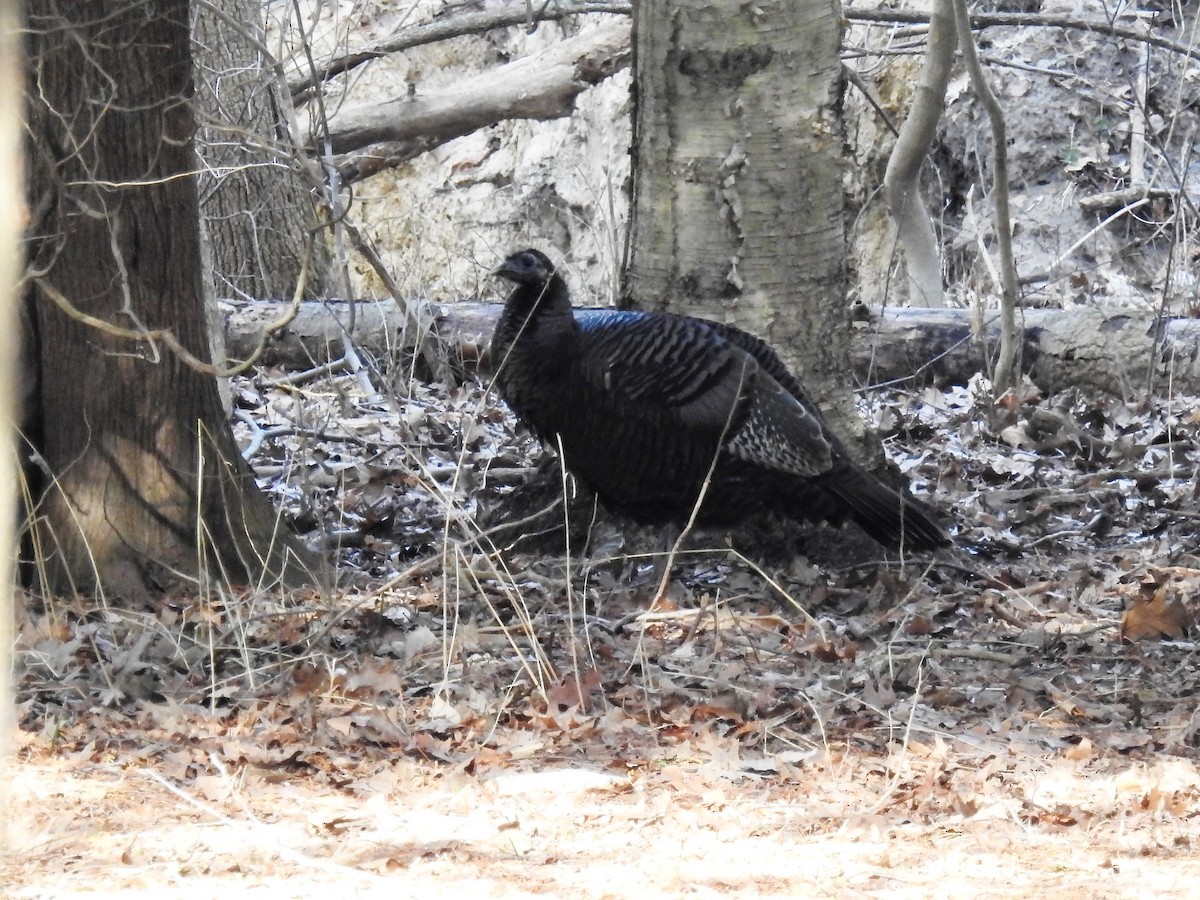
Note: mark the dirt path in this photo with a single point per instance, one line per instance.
(925, 821)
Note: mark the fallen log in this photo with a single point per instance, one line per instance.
(370, 137)
(443, 29)
(1119, 352)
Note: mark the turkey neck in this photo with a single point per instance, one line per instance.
(539, 326)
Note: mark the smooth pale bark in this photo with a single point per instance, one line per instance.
(902, 180)
(142, 481)
(738, 208)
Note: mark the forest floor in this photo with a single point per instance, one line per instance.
(477, 713)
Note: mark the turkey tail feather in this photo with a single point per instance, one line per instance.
(885, 515)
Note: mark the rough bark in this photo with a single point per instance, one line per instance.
(258, 211)
(144, 481)
(737, 184)
(1116, 352)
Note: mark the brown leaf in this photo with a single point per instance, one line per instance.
(837, 650)
(1155, 617)
(573, 690)
(919, 625)
(1080, 752)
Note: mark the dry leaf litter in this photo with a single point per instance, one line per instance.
(464, 640)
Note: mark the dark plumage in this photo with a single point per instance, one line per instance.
(644, 402)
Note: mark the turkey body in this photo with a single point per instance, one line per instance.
(655, 412)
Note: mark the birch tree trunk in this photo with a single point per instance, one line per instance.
(737, 187)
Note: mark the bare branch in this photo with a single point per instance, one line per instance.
(444, 30)
(921, 254)
(406, 128)
(475, 23)
(167, 337)
(419, 328)
(1008, 366)
(1026, 20)
(541, 86)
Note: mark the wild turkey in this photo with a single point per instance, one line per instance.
(649, 406)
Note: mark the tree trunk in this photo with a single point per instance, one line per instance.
(737, 160)
(257, 208)
(12, 216)
(143, 479)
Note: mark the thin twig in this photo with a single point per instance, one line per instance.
(152, 336)
(1025, 20)
(1008, 366)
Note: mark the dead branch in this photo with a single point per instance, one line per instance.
(1123, 200)
(541, 86)
(404, 129)
(444, 30)
(1008, 366)
(980, 21)
(478, 22)
(922, 257)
